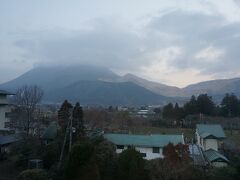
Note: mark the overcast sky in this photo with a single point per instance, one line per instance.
(176, 42)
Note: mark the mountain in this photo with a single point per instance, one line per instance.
(158, 88)
(85, 84)
(106, 93)
(98, 85)
(215, 88)
(50, 78)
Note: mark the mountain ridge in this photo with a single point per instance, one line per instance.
(57, 81)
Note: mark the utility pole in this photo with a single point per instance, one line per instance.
(63, 146)
(70, 132)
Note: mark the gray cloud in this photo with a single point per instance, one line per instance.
(118, 46)
(196, 31)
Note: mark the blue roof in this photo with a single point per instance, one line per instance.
(7, 140)
(210, 130)
(3, 92)
(144, 140)
(214, 156)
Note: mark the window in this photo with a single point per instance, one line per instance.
(7, 114)
(6, 124)
(155, 150)
(120, 147)
(143, 154)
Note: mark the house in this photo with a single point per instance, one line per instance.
(150, 146)
(209, 136)
(5, 109)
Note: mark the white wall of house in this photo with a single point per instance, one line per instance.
(211, 144)
(219, 164)
(4, 108)
(148, 151)
(3, 99)
(199, 142)
(206, 144)
(3, 119)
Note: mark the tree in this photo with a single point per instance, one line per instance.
(131, 165)
(230, 105)
(106, 159)
(191, 107)
(27, 98)
(168, 111)
(176, 155)
(64, 114)
(205, 104)
(81, 164)
(78, 122)
(178, 112)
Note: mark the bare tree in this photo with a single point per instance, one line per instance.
(27, 98)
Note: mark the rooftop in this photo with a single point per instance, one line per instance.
(144, 140)
(214, 156)
(3, 92)
(4, 140)
(210, 130)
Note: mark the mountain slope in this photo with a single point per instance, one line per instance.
(215, 87)
(106, 93)
(50, 78)
(83, 83)
(158, 88)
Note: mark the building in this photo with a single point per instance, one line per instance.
(150, 146)
(5, 110)
(209, 136)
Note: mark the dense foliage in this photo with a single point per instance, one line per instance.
(203, 104)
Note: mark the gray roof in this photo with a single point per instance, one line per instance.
(3, 92)
(214, 156)
(4, 140)
(210, 130)
(144, 140)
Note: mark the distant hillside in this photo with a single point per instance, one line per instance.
(158, 88)
(50, 78)
(99, 85)
(106, 93)
(83, 83)
(215, 88)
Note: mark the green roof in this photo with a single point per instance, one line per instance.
(144, 140)
(51, 131)
(214, 156)
(210, 130)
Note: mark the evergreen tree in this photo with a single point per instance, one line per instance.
(191, 106)
(168, 111)
(64, 114)
(78, 122)
(230, 105)
(205, 104)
